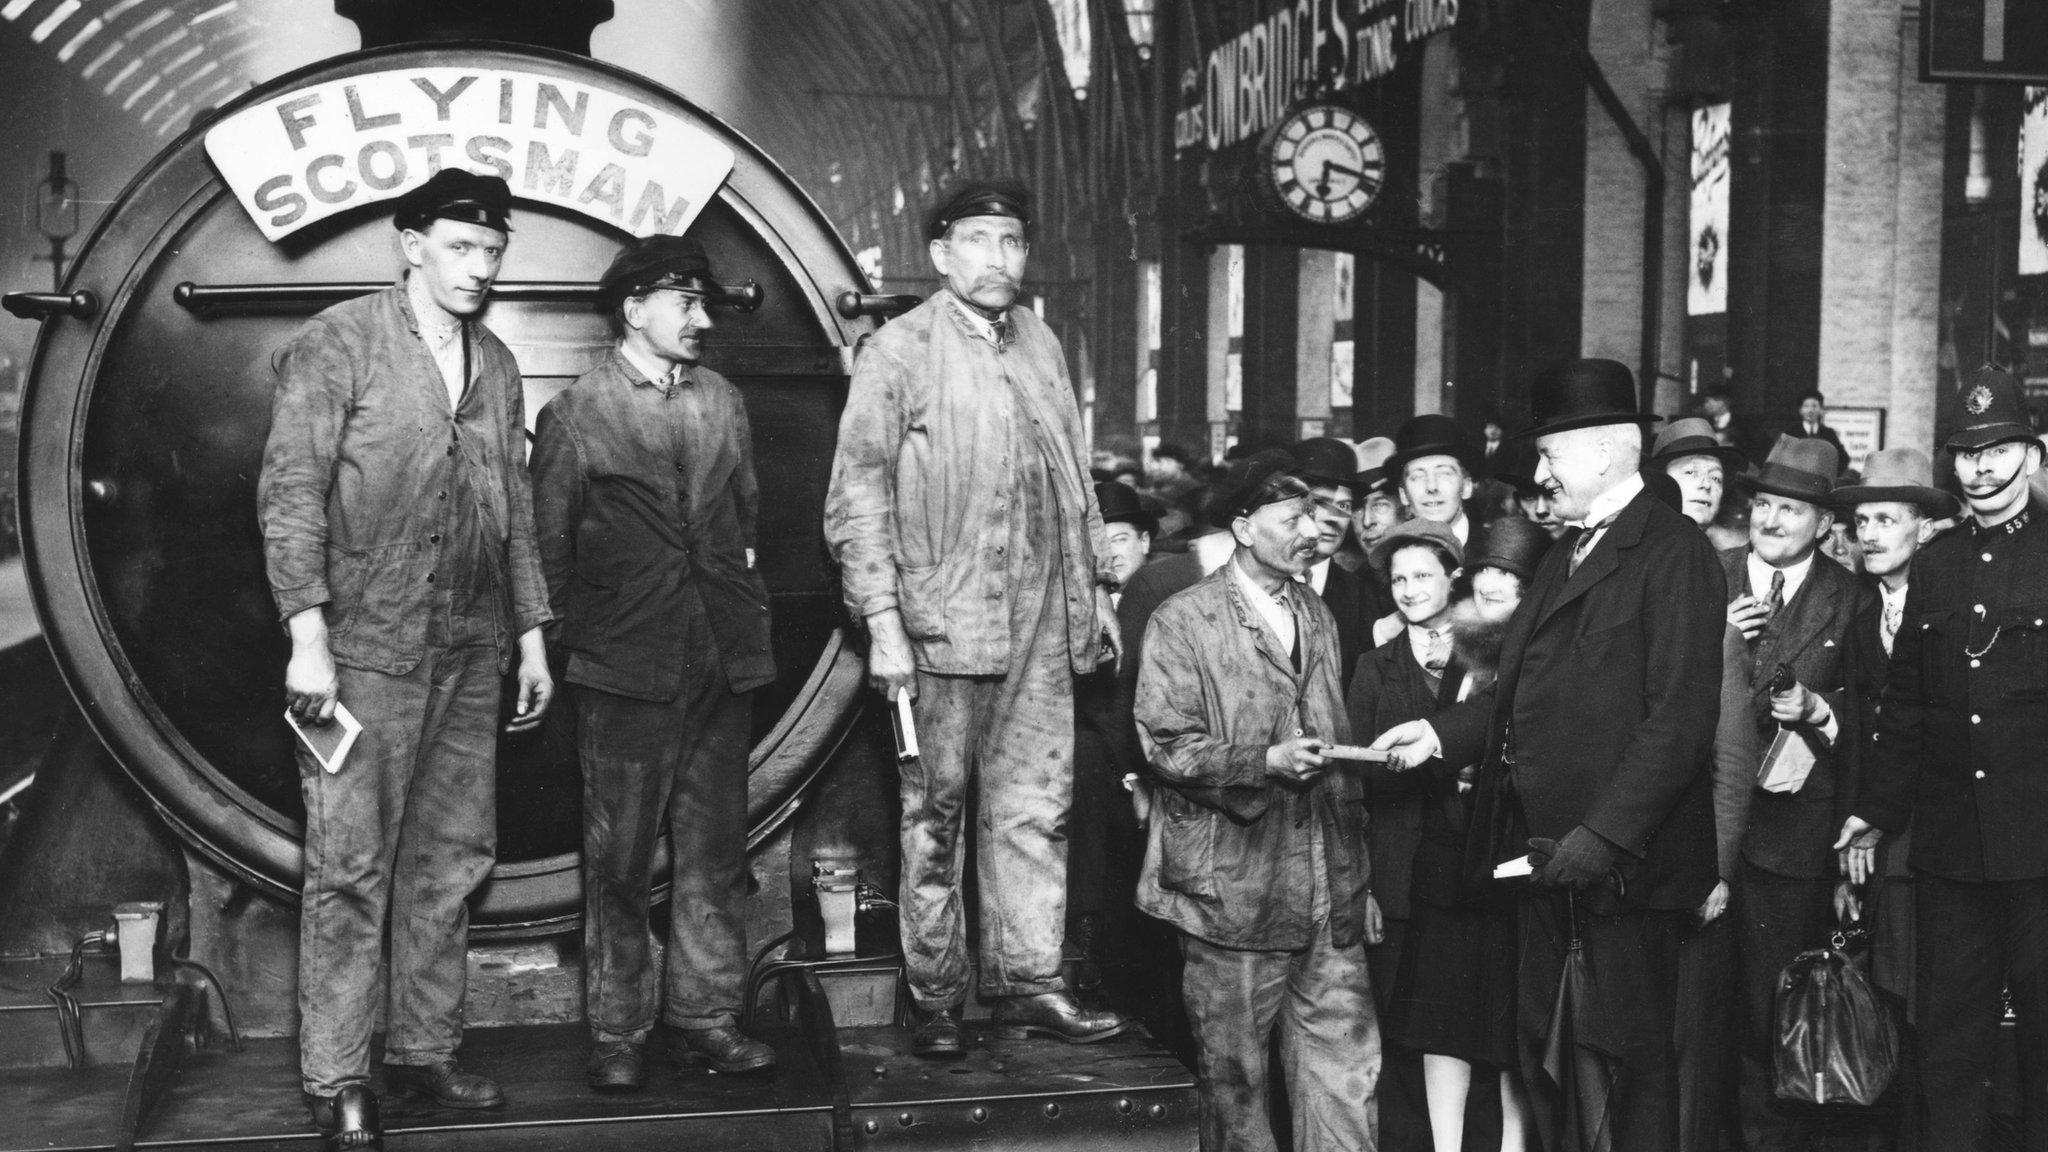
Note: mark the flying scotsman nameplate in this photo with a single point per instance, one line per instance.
(303, 156)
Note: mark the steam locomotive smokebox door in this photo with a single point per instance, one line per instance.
(146, 421)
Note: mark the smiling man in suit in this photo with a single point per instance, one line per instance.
(1602, 723)
(1797, 610)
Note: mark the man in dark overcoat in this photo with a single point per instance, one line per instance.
(1602, 722)
(1958, 754)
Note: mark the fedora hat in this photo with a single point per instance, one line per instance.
(1693, 436)
(1431, 434)
(1326, 462)
(1994, 411)
(1901, 475)
(1584, 394)
(1511, 544)
(1797, 469)
(1412, 532)
(1372, 456)
(1121, 504)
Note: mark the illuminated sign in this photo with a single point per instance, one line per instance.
(303, 156)
(1249, 81)
(1707, 285)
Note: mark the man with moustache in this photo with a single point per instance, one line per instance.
(1601, 722)
(1256, 843)
(1797, 611)
(404, 568)
(970, 545)
(645, 496)
(1958, 756)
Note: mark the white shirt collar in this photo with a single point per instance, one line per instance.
(1462, 527)
(1890, 598)
(1760, 575)
(1613, 500)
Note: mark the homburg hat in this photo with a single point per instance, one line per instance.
(455, 194)
(1901, 475)
(1994, 411)
(1797, 469)
(1416, 531)
(1121, 504)
(1584, 394)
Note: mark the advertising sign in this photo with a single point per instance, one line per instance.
(306, 155)
(1707, 281)
(2034, 182)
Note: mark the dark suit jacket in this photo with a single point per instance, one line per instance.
(1389, 688)
(1873, 665)
(1608, 694)
(1966, 709)
(1793, 833)
(1356, 600)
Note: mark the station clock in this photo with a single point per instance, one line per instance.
(1324, 163)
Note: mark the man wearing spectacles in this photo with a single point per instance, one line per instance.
(646, 503)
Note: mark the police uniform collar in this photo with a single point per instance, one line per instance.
(2007, 527)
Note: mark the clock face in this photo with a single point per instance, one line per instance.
(1326, 164)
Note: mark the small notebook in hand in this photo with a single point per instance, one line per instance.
(329, 743)
(1787, 763)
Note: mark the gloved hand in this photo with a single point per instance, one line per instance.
(1579, 861)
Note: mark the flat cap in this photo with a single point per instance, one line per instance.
(1257, 480)
(653, 262)
(979, 198)
(455, 194)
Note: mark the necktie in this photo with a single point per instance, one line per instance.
(1438, 649)
(1888, 625)
(1776, 599)
(1585, 543)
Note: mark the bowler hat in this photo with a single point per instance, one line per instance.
(1413, 532)
(1326, 462)
(1431, 434)
(656, 262)
(1255, 481)
(1902, 475)
(455, 194)
(1511, 544)
(1798, 468)
(978, 198)
(1121, 504)
(1371, 454)
(1693, 436)
(1584, 394)
(1994, 411)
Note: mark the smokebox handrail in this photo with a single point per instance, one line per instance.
(745, 296)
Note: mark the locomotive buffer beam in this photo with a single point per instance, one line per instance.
(203, 299)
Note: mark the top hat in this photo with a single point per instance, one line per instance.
(1693, 436)
(455, 194)
(1413, 531)
(1121, 504)
(1371, 454)
(1511, 544)
(653, 263)
(1584, 394)
(1255, 481)
(1903, 475)
(1994, 411)
(978, 198)
(1797, 469)
(1326, 462)
(1430, 434)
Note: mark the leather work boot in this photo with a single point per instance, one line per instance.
(617, 1066)
(1054, 1014)
(347, 1120)
(938, 1033)
(444, 1083)
(725, 1048)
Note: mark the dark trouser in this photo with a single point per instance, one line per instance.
(1633, 959)
(1704, 1034)
(1329, 1043)
(646, 765)
(1975, 940)
(1776, 918)
(1011, 739)
(408, 826)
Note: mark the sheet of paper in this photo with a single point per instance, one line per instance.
(906, 726)
(330, 742)
(1509, 869)
(1355, 752)
(1787, 763)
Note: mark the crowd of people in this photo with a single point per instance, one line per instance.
(1436, 791)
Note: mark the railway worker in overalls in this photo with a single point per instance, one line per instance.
(971, 547)
(646, 502)
(398, 535)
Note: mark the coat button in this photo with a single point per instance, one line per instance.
(430, 577)
(1976, 719)
(434, 539)
(1976, 663)
(451, 449)
(1980, 773)
(1987, 557)
(442, 496)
